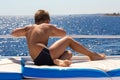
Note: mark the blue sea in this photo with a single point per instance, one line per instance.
(80, 24)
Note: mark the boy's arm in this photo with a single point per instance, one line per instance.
(20, 31)
(57, 31)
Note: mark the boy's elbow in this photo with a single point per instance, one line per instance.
(64, 33)
(13, 34)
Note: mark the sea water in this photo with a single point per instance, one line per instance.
(94, 24)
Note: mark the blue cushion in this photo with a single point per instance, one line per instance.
(62, 73)
(114, 73)
(91, 71)
(10, 76)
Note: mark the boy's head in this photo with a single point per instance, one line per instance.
(41, 16)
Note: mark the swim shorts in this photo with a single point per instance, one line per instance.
(44, 58)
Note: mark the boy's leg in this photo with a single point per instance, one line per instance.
(64, 60)
(58, 48)
(66, 55)
(63, 63)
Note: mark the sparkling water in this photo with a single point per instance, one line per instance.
(73, 25)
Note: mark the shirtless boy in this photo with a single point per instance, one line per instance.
(37, 36)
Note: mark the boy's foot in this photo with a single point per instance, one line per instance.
(63, 63)
(97, 56)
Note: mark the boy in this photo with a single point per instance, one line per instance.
(37, 36)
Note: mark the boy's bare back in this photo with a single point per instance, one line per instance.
(37, 37)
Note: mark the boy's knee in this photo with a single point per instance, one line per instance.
(66, 55)
(68, 37)
(69, 53)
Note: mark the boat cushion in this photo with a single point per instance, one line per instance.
(10, 68)
(79, 68)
